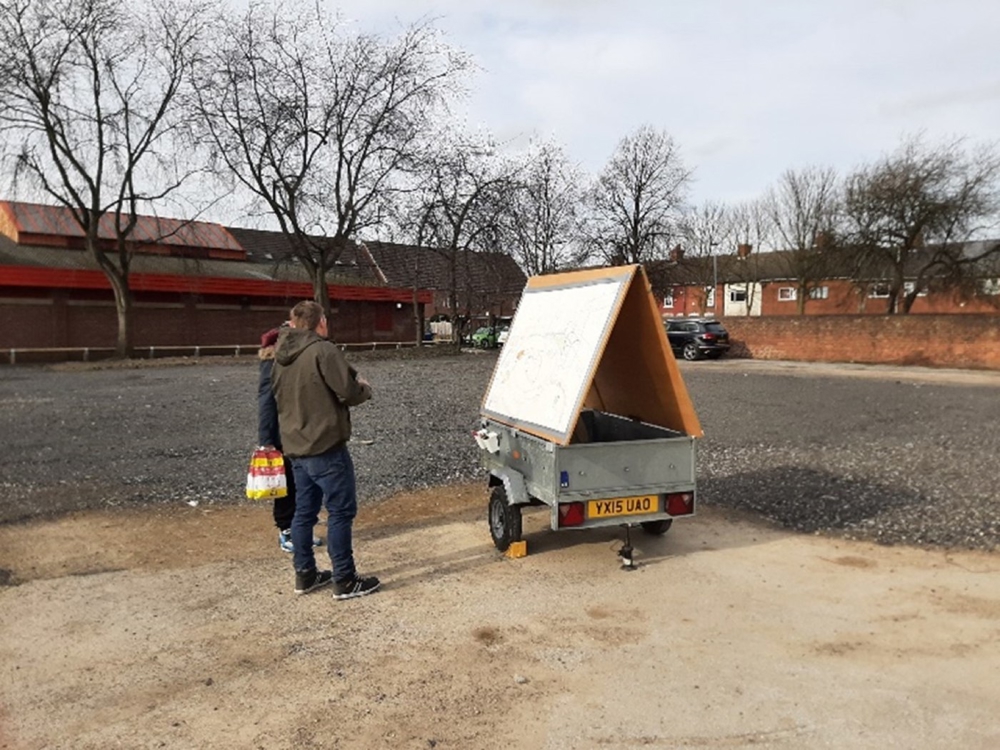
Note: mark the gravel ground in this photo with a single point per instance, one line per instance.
(886, 458)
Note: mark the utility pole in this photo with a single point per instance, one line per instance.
(715, 278)
(715, 275)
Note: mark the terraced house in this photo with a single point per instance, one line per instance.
(830, 282)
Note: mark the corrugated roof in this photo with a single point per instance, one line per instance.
(58, 221)
(13, 254)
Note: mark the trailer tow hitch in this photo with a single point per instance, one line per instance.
(625, 552)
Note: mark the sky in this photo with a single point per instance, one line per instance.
(747, 88)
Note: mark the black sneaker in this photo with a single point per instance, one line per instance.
(356, 586)
(311, 580)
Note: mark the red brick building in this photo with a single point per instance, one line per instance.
(760, 284)
(194, 284)
(486, 286)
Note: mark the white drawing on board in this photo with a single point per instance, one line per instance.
(549, 354)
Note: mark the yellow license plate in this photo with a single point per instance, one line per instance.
(623, 506)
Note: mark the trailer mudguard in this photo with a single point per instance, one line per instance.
(513, 484)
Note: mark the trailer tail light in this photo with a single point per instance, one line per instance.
(570, 514)
(680, 503)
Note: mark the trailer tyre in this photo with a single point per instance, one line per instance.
(504, 518)
(657, 528)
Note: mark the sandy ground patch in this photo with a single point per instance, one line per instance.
(178, 628)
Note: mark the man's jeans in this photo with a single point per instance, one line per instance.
(326, 479)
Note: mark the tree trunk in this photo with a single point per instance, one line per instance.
(892, 302)
(800, 300)
(118, 279)
(321, 291)
(907, 302)
(418, 319)
(123, 307)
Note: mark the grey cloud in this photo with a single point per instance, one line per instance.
(941, 99)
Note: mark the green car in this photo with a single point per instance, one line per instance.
(484, 338)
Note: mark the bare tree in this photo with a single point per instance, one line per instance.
(321, 125)
(804, 209)
(458, 212)
(635, 202)
(751, 230)
(259, 99)
(913, 212)
(542, 223)
(89, 90)
(706, 232)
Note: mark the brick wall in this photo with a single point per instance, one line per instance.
(837, 298)
(57, 320)
(964, 341)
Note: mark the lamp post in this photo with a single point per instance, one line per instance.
(715, 276)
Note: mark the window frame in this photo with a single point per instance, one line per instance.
(874, 293)
(788, 294)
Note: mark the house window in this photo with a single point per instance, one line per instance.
(709, 296)
(991, 286)
(879, 291)
(737, 295)
(819, 292)
(787, 294)
(668, 299)
(908, 287)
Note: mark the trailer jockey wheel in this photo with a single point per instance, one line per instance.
(505, 519)
(657, 528)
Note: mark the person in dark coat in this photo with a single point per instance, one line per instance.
(315, 388)
(269, 436)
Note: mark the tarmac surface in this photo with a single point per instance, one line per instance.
(145, 604)
(893, 455)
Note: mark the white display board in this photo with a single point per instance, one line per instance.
(547, 364)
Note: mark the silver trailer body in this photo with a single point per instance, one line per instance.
(621, 471)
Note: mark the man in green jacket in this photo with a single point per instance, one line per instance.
(314, 387)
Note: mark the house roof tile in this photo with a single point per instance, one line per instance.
(427, 268)
(265, 247)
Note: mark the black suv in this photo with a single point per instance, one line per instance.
(696, 338)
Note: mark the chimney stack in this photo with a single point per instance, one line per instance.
(676, 254)
(743, 250)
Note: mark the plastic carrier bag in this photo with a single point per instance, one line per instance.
(266, 475)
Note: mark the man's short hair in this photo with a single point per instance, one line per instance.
(306, 314)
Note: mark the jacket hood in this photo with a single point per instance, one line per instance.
(292, 342)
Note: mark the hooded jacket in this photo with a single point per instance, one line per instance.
(267, 409)
(314, 386)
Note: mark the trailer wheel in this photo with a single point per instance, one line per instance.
(504, 518)
(657, 528)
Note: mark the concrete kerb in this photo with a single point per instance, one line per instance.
(18, 356)
(843, 369)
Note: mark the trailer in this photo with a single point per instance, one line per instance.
(587, 413)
